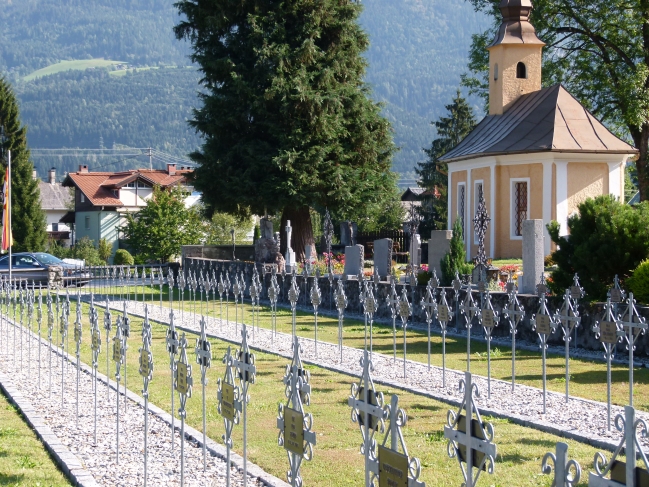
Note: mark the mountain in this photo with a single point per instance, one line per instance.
(418, 51)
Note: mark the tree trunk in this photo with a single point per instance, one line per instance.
(641, 141)
(302, 230)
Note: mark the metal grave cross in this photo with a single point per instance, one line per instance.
(405, 310)
(294, 425)
(146, 372)
(39, 321)
(481, 223)
(576, 291)
(606, 331)
(429, 305)
(393, 304)
(395, 466)
(514, 313)
(623, 474)
(569, 319)
(444, 315)
(229, 405)
(488, 318)
(367, 411)
(247, 372)
(616, 293)
(183, 384)
(469, 310)
(293, 296)
(78, 331)
(255, 292)
(470, 440)
(63, 330)
(95, 346)
(632, 326)
(203, 352)
(566, 472)
(369, 308)
(50, 329)
(108, 326)
(361, 289)
(328, 229)
(273, 295)
(172, 343)
(316, 299)
(124, 322)
(544, 324)
(341, 304)
(118, 358)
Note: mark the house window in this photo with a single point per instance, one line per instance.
(143, 185)
(461, 206)
(87, 223)
(82, 198)
(129, 185)
(520, 206)
(521, 71)
(55, 227)
(477, 193)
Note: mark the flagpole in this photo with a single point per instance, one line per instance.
(9, 209)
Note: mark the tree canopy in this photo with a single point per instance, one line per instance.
(27, 218)
(599, 50)
(287, 118)
(433, 173)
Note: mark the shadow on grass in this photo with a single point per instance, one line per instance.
(10, 479)
(536, 442)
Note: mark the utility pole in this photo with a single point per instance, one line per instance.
(150, 158)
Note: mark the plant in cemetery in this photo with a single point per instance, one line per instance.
(606, 238)
(163, 226)
(123, 257)
(104, 249)
(286, 117)
(599, 50)
(638, 283)
(455, 259)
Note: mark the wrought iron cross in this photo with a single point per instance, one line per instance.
(481, 222)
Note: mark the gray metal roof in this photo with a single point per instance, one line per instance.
(548, 120)
(54, 196)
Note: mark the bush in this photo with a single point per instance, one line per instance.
(455, 259)
(85, 250)
(638, 283)
(58, 250)
(606, 238)
(123, 257)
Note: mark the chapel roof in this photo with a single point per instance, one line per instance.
(548, 120)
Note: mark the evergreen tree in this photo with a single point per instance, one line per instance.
(27, 217)
(286, 116)
(433, 173)
(455, 259)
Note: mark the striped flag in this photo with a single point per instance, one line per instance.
(7, 237)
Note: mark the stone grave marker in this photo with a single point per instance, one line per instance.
(354, 260)
(383, 257)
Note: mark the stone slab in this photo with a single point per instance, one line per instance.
(354, 259)
(533, 255)
(383, 257)
(438, 246)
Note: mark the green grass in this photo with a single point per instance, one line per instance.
(77, 65)
(23, 458)
(588, 377)
(502, 262)
(337, 461)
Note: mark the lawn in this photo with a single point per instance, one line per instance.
(336, 459)
(77, 65)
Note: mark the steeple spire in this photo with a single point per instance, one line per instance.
(515, 27)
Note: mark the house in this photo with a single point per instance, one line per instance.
(538, 153)
(56, 201)
(102, 199)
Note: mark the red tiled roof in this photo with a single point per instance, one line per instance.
(98, 186)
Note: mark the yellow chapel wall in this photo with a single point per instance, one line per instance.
(480, 174)
(506, 247)
(456, 178)
(585, 180)
(504, 91)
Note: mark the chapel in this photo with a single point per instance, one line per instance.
(538, 153)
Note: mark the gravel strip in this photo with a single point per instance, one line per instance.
(77, 435)
(581, 419)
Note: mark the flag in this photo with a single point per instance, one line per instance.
(7, 237)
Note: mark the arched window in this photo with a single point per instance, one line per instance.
(521, 70)
(496, 72)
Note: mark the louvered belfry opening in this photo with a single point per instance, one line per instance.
(520, 202)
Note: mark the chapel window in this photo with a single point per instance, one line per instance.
(520, 206)
(521, 71)
(461, 198)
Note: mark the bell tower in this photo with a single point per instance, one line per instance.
(514, 57)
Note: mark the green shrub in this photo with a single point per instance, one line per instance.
(123, 257)
(455, 259)
(84, 249)
(638, 283)
(56, 249)
(606, 238)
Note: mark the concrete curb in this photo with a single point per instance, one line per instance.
(66, 460)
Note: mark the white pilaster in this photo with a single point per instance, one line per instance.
(562, 195)
(468, 238)
(449, 201)
(547, 203)
(492, 210)
(615, 172)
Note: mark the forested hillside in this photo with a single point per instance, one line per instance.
(418, 51)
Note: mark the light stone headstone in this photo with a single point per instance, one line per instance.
(533, 255)
(310, 253)
(290, 254)
(354, 260)
(266, 228)
(383, 257)
(438, 246)
(415, 250)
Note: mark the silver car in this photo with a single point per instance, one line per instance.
(44, 269)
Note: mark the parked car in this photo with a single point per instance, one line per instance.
(43, 269)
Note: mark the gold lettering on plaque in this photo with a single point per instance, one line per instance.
(227, 401)
(543, 324)
(487, 318)
(393, 468)
(181, 378)
(608, 332)
(442, 313)
(294, 431)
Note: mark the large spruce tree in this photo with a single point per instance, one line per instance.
(433, 173)
(286, 117)
(27, 217)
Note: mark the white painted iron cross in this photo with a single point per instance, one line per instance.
(429, 305)
(294, 425)
(203, 352)
(341, 304)
(444, 315)
(172, 349)
(488, 318)
(469, 310)
(183, 384)
(606, 331)
(393, 303)
(566, 472)
(470, 440)
(247, 371)
(515, 313)
(405, 310)
(569, 319)
(544, 324)
(229, 406)
(634, 326)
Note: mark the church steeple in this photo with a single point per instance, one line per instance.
(514, 57)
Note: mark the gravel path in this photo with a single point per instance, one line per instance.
(78, 434)
(581, 419)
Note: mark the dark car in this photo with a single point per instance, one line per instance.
(43, 269)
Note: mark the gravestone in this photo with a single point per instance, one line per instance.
(348, 230)
(267, 246)
(290, 254)
(354, 260)
(438, 246)
(533, 255)
(383, 257)
(415, 250)
(310, 253)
